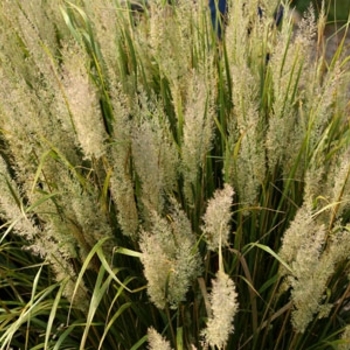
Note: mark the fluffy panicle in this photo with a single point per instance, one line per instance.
(308, 284)
(237, 29)
(169, 258)
(56, 240)
(11, 205)
(339, 248)
(329, 179)
(337, 186)
(35, 116)
(301, 247)
(313, 268)
(38, 33)
(89, 222)
(155, 156)
(157, 28)
(224, 306)
(312, 260)
(83, 102)
(145, 151)
(217, 218)
(35, 108)
(119, 154)
(103, 16)
(20, 122)
(278, 140)
(36, 22)
(305, 35)
(246, 171)
(122, 192)
(156, 341)
(197, 131)
(315, 177)
(167, 35)
(287, 62)
(26, 34)
(321, 105)
(10, 56)
(298, 234)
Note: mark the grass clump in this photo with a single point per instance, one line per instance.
(161, 188)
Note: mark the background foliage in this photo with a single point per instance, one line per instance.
(338, 10)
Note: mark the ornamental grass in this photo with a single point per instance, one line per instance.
(164, 189)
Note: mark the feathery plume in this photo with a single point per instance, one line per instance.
(197, 131)
(83, 103)
(169, 36)
(156, 341)
(88, 219)
(224, 305)
(217, 218)
(119, 154)
(300, 230)
(286, 65)
(312, 259)
(169, 258)
(337, 186)
(11, 205)
(246, 171)
(237, 35)
(308, 281)
(154, 155)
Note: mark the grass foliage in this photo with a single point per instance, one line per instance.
(163, 189)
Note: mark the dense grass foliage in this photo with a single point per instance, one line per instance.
(337, 10)
(162, 189)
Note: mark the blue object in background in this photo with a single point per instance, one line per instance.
(278, 16)
(218, 19)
